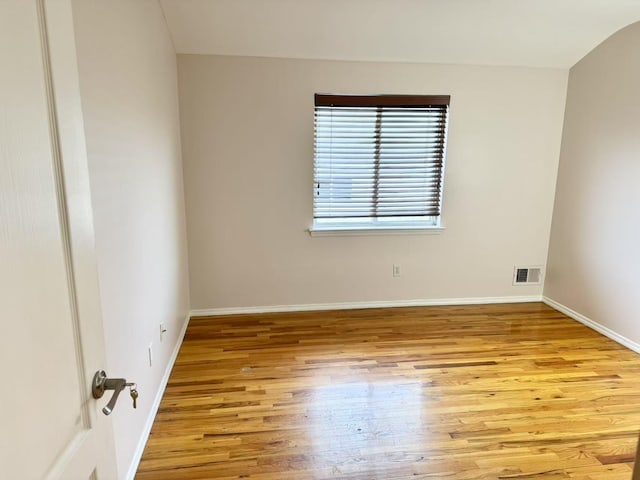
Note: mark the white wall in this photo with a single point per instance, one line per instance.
(593, 255)
(129, 92)
(247, 130)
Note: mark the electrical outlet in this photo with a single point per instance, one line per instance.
(150, 353)
(396, 270)
(163, 330)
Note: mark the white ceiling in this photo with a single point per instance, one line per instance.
(536, 33)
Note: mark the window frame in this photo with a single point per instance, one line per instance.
(375, 225)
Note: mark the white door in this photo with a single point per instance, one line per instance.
(51, 340)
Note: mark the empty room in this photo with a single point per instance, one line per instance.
(319, 239)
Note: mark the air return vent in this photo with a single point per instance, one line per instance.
(527, 275)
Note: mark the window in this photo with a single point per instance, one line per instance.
(379, 161)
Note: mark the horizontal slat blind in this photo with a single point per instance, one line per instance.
(379, 158)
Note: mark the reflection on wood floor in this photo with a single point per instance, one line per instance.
(474, 392)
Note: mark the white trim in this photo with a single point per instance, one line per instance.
(362, 232)
(356, 305)
(607, 332)
(135, 462)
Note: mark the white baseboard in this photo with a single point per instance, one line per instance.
(357, 305)
(135, 462)
(607, 332)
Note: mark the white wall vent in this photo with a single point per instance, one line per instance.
(527, 275)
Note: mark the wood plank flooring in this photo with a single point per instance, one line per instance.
(474, 392)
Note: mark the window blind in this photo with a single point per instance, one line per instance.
(379, 156)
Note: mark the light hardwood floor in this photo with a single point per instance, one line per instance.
(475, 392)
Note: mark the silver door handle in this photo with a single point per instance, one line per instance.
(102, 383)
